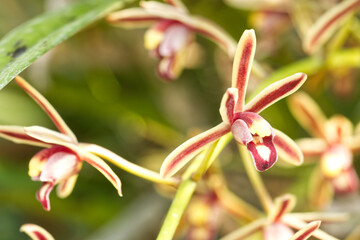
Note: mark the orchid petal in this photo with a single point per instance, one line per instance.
(275, 92)
(43, 194)
(132, 18)
(175, 39)
(326, 25)
(337, 128)
(227, 105)
(60, 165)
(170, 68)
(277, 231)
(346, 182)
(264, 154)
(198, 24)
(327, 217)
(321, 192)
(287, 148)
(247, 230)
(102, 167)
(308, 114)
(353, 143)
(47, 107)
(36, 232)
(66, 186)
(312, 147)
(306, 232)
(186, 151)
(242, 64)
(299, 224)
(47, 135)
(283, 204)
(257, 5)
(17, 134)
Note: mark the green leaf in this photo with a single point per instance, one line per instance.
(26, 43)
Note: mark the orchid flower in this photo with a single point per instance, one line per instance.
(334, 142)
(36, 232)
(60, 162)
(280, 223)
(243, 120)
(171, 35)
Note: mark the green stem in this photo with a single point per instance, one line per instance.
(128, 166)
(178, 206)
(187, 187)
(255, 180)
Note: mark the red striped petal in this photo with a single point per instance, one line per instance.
(283, 204)
(227, 106)
(186, 151)
(275, 92)
(287, 148)
(306, 231)
(36, 232)
(17, 134)
(325, 26)
(43, 195)
(243, 60)
(47, 107)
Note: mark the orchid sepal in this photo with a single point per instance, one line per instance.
(275, 92)
(36, 232)
(307, 231)
(287, 149)
(189, 149)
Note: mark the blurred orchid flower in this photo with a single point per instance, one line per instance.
(334, 142)
(244, 121)
(328, 23)
(172, 33)
(60, 163)
(280, 222)
(36, 232)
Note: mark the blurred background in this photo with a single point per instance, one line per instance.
(103, 83)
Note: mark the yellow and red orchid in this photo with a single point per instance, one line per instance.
(172, 33)
(60, 163)
(36, 232)
(281, 223)
(334, 142)
(243, 120)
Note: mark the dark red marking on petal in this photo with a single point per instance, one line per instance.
(39, 235)
(93, 163)
(308, 232)
(230, 107)
(44, 200)
(277, 93)
(207, 139)
(281, 211)
(332, 21)
(260, 163)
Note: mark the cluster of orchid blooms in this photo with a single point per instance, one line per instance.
(170, 39)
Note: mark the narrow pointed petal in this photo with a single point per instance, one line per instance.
(132, 18)
(308, 114)
(312, 147)
(242, 64)
(337, 128)
(325, 217)
(18, 135)
(186, 151)
(47, 135)
(287, 148)
(47, 107)
(197, 24)
(227, 105)
(299, 224)
(43, 195)
(36, 232)
(327, 24)
(283, 204)
(102, 167)
(275, 92)
(247, 230)
(306, 231)
(321, 192)
(66, 186)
